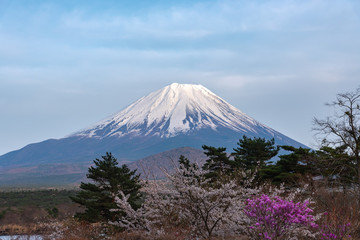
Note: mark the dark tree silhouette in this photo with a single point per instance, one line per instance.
(252, 152)
(106, 180)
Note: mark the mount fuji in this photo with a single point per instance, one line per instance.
(174, 110)
(178, 115)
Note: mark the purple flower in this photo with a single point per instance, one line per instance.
(274, 217)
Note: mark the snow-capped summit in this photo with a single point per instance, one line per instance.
(173, 110)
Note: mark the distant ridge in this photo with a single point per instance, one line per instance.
(152, 167)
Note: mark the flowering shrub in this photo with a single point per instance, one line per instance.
(276, 218)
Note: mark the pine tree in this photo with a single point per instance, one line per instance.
(291, 167)
(337, 165)
(184, 162)
(186, 166)
(107, 179)
(218, 163)
(253, 152)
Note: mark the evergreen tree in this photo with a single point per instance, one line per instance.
(290, 167)
(186, 166)
(218, 162)
(107, 179)
(185, 162)
(253, 152)
(336, 165)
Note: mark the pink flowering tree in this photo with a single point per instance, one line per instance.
(188, 200)
(276, 218)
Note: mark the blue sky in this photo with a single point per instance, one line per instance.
(65, 65)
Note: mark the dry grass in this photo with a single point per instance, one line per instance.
(340, 208)
(73, 230)
(16, 229)
(167, 236)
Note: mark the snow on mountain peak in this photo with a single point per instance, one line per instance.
(174, 109)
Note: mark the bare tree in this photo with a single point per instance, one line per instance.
(343, 128)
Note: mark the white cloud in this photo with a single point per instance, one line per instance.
(259, 48)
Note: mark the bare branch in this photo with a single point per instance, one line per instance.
(343, 129)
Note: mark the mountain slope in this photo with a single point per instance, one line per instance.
(179, 115)
(153, 167)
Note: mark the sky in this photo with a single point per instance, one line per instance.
(66, 65)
